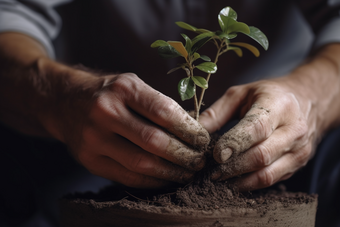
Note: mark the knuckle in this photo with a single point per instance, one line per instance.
(152, 139)
(215, 121)
(140, 164)
(289, 103)
(288, 100)
(105, 106)
(125, 83)
(232, 91)
(262, 155)
(302, 156)
(262, 127)
(164, 108)
(266, 177)
(302, 129)
(210, 113)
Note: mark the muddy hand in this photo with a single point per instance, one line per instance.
(115, 125)
(273, 139)
(137, 136)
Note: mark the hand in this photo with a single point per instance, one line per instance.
(124, 135)
(274, 138)
(116, 126)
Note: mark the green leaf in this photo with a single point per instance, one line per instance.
(168, 52)
(205, 58)
(253, 49)
(237, 50)
(225, 22)
(238, 27)
(188, 43)
(232, 35)
(199, 37)
(186, 88)
(200, 81)
(191, 28)
(200, 40)
(196, 56)
(202, 30)
(208, 67)
(186, 26)
(258, 36)
(223, 35)
(229, 12)
(159, 43)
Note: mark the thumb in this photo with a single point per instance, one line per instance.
(218, 114)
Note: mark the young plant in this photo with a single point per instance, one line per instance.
(229, 25)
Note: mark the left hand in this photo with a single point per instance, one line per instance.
(274, 138)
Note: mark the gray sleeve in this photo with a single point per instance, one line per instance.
(324, 18)
(330, 33)
(35, 18)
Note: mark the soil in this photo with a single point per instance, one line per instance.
(204, 204)
(201, 203)
(200, 196)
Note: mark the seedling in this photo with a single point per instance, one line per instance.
(230, 27)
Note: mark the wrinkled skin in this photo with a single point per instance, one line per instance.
(282, 121)
(125, 136)
(117, 126)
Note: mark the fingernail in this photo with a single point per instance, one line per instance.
(225, 154)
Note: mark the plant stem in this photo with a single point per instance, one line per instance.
(208, 77)
(197, 110)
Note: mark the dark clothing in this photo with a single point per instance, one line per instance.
(115, 36)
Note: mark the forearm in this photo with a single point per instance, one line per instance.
(318, 81)
(34, 89)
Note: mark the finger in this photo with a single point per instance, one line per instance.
(137, 160)
(147, 135)
(261, 155)
(131, 157)
(256, 126)
(110, 169)
(223, 109)
(279, 170)
(156, 141)
(163, 111)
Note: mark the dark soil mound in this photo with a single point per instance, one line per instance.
(200, 203)
(205, 195)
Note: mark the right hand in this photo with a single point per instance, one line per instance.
(115, 125)
(123, 134)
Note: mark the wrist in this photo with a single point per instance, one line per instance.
(67, 96)
(316, 84)
(37, 94)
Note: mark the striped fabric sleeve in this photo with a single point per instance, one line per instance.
(36, 19)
